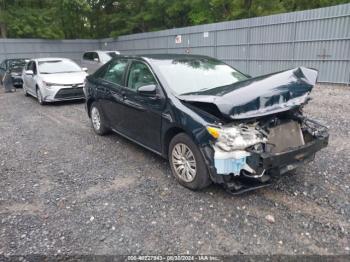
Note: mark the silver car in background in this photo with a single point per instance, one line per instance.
(53, 79)
(93, 60)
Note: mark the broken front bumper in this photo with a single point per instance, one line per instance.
(262, 163)
(279, 163)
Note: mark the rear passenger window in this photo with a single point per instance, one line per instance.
(95, 56)
(88, 56)
(115, 71)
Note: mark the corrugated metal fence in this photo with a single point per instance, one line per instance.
(30, 48)
(318, 38)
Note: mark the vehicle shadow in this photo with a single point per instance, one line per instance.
(164, 168)
(68, 102)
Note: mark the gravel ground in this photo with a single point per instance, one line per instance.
(65, 190)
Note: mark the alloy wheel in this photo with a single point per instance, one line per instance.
(184, 162)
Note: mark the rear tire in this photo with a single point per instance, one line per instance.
(187, 163)
(97, 120)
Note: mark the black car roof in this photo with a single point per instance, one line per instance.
(164, 56)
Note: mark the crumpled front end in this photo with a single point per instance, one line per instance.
(246, 155)
(257, 97)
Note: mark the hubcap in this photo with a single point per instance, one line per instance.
(184, 162)
(95, 117)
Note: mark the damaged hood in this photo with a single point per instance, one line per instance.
(258, 96)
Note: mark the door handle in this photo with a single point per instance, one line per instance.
(134, 105)
(116, 96)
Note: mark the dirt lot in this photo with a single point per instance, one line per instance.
(65, 190)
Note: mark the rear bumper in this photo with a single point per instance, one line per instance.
(17, 81)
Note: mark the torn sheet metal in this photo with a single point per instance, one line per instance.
(230, 155)
(259, 96)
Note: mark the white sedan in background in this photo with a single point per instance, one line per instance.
(53, 79)
(93, 60)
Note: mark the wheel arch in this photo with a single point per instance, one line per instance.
(169, 135)
(88, 105)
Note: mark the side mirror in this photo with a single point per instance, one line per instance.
(85, 69)
(29, 72)
(96, 60)
(147, 90)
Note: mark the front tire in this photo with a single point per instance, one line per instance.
(97, 121)
(187, 163)
(39, 96)
(25, 91)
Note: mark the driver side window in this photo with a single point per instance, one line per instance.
(34, 68)
(139, 75)
(31, 66)
(28, 65)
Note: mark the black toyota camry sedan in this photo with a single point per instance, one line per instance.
(212, 122)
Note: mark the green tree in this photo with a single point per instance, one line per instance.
(56, 19)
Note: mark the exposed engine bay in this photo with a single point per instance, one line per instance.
(259, 131)
(262, 147)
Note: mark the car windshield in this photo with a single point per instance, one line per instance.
(194, 75)
(58, 66)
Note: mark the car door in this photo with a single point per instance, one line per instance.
(30, 80)
(88, 61)
(142, 113)
(26, 77)
(111, 81)
(84, 61)
(96, 62)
